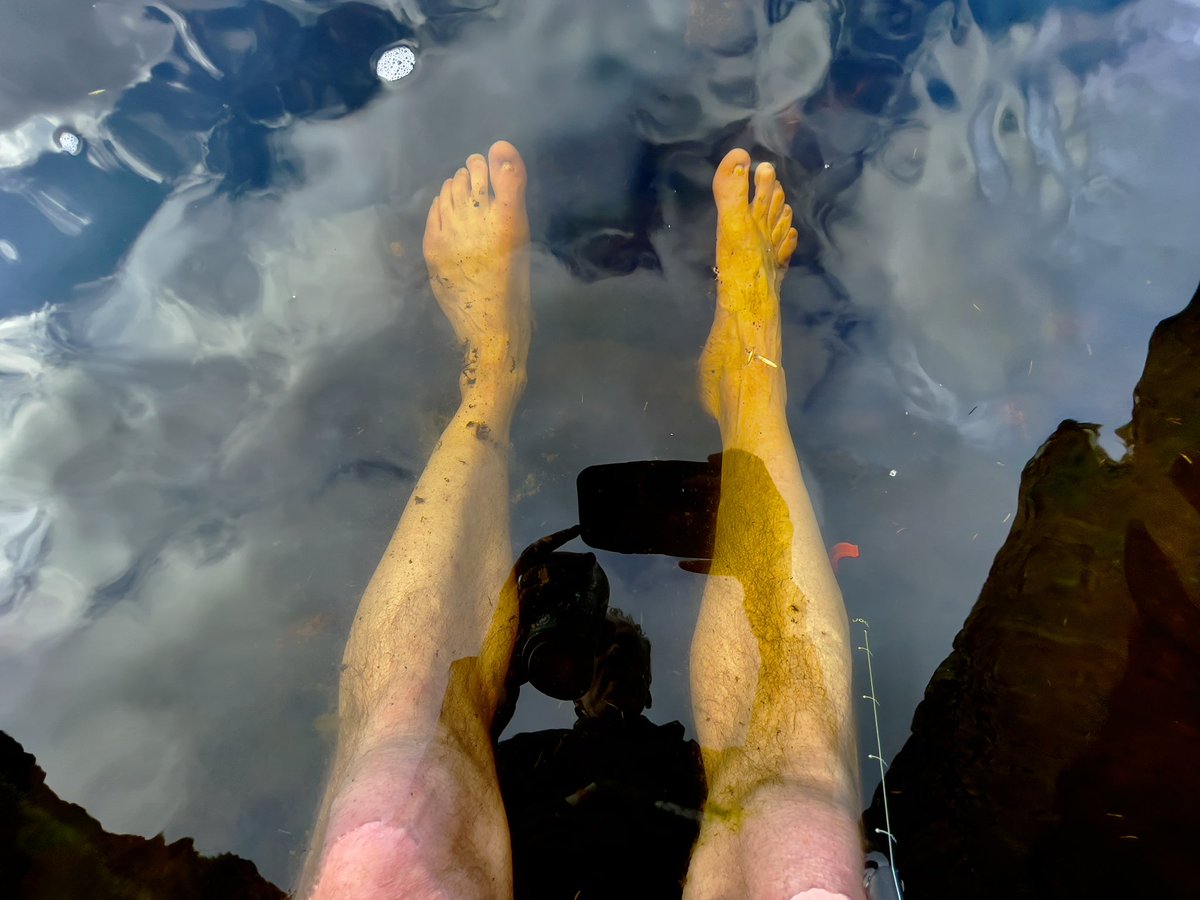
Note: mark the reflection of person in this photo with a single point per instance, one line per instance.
(610, 807)
(413, 807)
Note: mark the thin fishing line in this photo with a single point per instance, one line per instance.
(878, 755)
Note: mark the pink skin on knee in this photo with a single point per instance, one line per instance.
(382, 833)
(804, 850)
(374, 862)
(396, 829)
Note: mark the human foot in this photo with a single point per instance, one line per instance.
(755, 240)
(477, 249)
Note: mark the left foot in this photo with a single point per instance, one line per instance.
(477, 250)
(755, 241)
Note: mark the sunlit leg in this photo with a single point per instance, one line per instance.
(771, 669)
(412, 808)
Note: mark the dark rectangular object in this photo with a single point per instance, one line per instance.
(665, 506)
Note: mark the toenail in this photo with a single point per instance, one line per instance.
(739, 170)
(506, 166)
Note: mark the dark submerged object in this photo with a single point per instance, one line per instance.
(654, 506)
(601, 810)
(1054, 754)
(562, 599)
(667, 507)
(611, 807)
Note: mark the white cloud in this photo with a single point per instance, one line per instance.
(202, 454)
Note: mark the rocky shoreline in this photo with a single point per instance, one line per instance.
(1054, 752)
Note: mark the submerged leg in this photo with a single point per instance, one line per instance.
(413, 808)
(771, 668)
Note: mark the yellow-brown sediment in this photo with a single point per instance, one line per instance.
(754, 545)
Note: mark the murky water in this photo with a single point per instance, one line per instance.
(223, 369)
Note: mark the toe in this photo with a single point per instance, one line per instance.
(446, 198)
(731, 184)
(507, 172)
(460, 189)
(433, 222)
(433, 228)
(477, 168)
(786, 248)
(783, 221)
(764, 188)
(777, 198)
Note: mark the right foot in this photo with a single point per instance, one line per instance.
(477, 250)
(755, 241)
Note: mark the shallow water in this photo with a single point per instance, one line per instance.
(223, 370)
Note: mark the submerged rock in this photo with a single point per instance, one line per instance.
(54, 850)
(1054, 752)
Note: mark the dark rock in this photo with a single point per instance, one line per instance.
(54, 850)
(1054, 752)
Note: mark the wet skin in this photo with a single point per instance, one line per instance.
(412, 808)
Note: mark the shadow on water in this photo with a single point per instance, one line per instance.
(222, 368)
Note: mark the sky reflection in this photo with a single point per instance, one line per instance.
(222, 369)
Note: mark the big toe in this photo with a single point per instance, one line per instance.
(507, 172)
(731, 184)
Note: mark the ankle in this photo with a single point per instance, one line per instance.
(489, 405)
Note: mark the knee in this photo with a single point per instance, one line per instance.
(803, 848)
(373, 862)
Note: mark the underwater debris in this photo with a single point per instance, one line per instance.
(840, 551)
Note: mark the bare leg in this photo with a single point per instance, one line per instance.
(412, 808)
(771, 670)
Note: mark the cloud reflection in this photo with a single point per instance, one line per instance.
(206, 445)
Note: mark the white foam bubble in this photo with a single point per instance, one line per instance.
(8, 251)
(396, 63)
(68, 142)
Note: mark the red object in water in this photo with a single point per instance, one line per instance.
(842, 551)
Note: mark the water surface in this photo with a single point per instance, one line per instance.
(223, 370)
